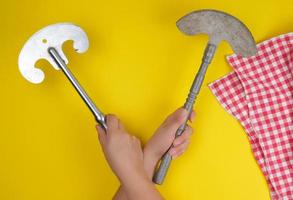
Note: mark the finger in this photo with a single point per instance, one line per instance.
(101, 134)
(136, 141)
(178, 154)
(120, 125)
(192, 116)
(185, 136)
(176, 150)
(112, 121)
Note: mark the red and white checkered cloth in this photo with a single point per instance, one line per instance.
(259, 93)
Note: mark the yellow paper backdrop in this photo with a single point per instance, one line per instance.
(138, 66)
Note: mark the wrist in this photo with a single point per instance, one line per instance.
(135, 182)
(150, 161)
(142, 189)
(151, 154)
(133, 176)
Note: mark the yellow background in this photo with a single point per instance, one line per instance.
(138, 66)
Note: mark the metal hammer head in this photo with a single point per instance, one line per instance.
(219, 26)
(37, 48)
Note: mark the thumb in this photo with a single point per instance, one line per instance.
(176, 119)
(173, 122)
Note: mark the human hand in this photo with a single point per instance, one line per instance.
(164, 137)
(125, 156)
(122, 151)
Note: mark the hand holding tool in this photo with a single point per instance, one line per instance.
(219, 26)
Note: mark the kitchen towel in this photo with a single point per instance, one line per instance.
(259, 93)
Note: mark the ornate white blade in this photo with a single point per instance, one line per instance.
(37, 48)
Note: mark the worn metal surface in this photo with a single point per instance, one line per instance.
(219, 26)
(99, 116)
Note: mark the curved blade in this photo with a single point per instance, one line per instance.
(37, 48)
(219, 26)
